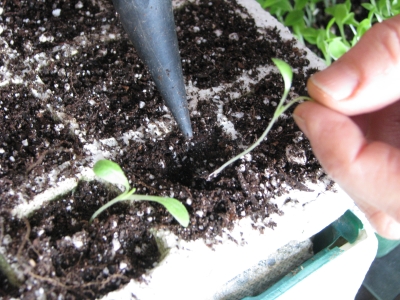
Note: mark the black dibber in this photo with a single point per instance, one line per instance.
(150, 26)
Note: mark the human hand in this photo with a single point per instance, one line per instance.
(354, 127)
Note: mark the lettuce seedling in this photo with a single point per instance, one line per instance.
(342, 15)
(300, 16)
(382, 9)
(112, 172)
(287, 74)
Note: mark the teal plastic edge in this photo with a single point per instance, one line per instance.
(297, 275)
(347, 226)
(385, 246)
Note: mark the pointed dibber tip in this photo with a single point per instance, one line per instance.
(177, 105)
(150, 26)
(186, 128)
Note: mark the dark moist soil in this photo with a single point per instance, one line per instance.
(98, 81)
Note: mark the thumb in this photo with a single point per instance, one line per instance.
(366, 78)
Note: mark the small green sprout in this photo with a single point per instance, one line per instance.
(112, 172)
(287, 74)
(342, 15)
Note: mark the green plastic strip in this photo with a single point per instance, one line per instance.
(297, 275)
(344, 230)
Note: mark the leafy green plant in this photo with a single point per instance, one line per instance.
(300, 16)
(382, 9)
(342, 15)
(287, 75)
(112, 173)
(277, 8)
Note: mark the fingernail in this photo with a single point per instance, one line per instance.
(339, 81)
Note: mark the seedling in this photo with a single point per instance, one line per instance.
(112, 172)
(382, 9)
(342, 16)
(300, 16)
(287, 74)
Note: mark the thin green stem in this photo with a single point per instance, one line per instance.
(122, 197)
(278, 112)
(255, 144)
(297, 99)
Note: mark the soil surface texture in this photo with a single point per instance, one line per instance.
(73, 90)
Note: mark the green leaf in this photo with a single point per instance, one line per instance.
(287, 74)
(350, 19)
(174, 207)
(300, 4)
(337, 48)
(295, 17)
(368, 6)
(362, 28)
(323, 45)
(111, 172)
(338, 11)
(311, 34)
(281, 4)
(274, 4)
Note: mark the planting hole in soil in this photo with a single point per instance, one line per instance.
(73, 91)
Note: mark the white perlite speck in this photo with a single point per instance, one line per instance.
(200, 213)
(234, 36)
(123, 265)
(77, 241)
(116, 244)
(79, 5)
(56, 13)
